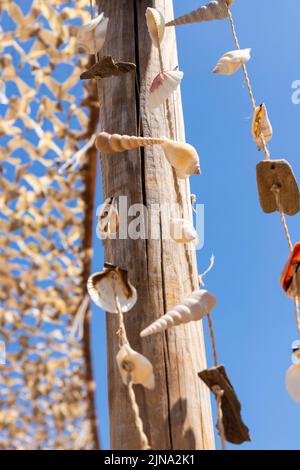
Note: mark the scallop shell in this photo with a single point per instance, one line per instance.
(261, 125)
(196, 306)
(183, 157)
(112, 281)
(231, 61)
(91, 36)
(290, 277)
(136, 367)
(163, 85)
(214, 10)
(182, 231)
(156, 25)
(292, 382)
(108, 222)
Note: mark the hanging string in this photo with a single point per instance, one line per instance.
(134, 406)
(78, 323)
(220, 426)
(211, 265)
(251, 94)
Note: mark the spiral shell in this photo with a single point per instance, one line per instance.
(214, 10)
(182, 231)
(292, 382)
(114, 143)
(196, 306)
(156, 25)
(91, 36)
(163, 85)
(231, 61)
(183, 157)
(103, 287)
(261, 125)
(290, 277)
(135, 367)
(108, 222)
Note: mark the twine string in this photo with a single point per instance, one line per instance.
(123, 340)
(220, 426)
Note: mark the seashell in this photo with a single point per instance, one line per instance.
(261, 125)
(183, 157)
(114, 143)
(108, 222)
(104, 286)
(163, 85)
(214, 10)
(135, 367)
(156, 25)
(107, 67)
(182, 231)
(290, 277)
(194, 307)
(292, 382)
(231, 61)
(91, 36)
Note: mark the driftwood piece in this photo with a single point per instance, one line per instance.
(107, 67)
(277, 173)
(235, 430)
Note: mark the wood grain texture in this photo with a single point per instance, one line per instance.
(177, 414)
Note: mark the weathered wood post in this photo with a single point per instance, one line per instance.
(177, 414)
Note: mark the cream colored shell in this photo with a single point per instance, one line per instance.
(231, 61)
(292, 382)
(156, 25)
(261, 125)
(103, 287)
(194, 307)
(182, 231)
(91, 36)
(163, 85)
(183, 157)
(214, 10)
(135, 367)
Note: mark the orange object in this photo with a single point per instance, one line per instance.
(291, 272)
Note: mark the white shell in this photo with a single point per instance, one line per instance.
(261, 125)
(196, 306)
(182, 231)
(231, 61)
(214, 10)
(163, 85)
(135, 366)
(156, 25)
(101, 285)
(292, 382)
(92, 34)
(108, 222)
(183, 158)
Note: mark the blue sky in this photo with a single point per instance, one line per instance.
(254, 320)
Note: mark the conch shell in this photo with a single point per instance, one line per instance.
(182, 231)
(196, 306)
(183, 157)
(261, 125)
(108, 222)
(156, 25)
(292, 382)
(103, 287)
(163, 85)
(135, 367)
(290, 277)
(231, 61)
(91, 36)
(214, 10)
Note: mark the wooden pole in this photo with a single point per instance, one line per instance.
(177, 414)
